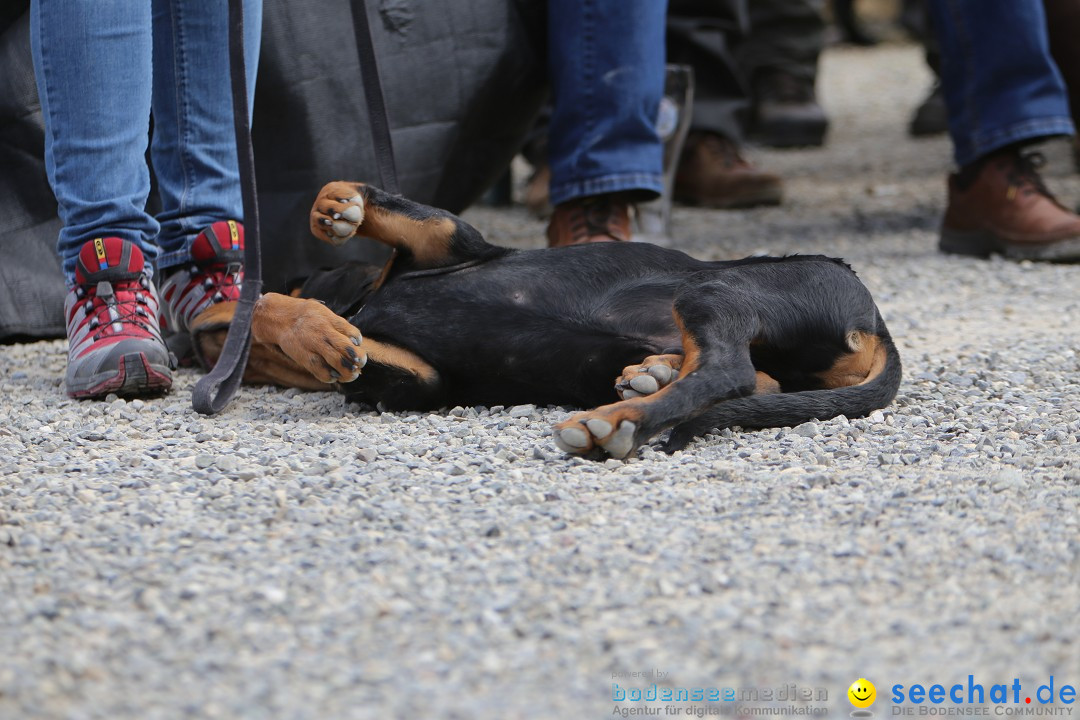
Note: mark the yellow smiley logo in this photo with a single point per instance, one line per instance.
(862, 693)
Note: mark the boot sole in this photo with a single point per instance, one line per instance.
(984, 244)
(135, 375)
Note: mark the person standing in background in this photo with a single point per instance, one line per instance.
(1003, 92)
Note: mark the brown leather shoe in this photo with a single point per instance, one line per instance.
(1000, 205)
(599, 218)
(713, 173)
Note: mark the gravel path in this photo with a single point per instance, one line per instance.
(295, 559)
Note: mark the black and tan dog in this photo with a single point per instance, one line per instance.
(452, 320)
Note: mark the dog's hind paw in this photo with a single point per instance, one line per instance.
(337, 213)
(654, 372)
(607, 428)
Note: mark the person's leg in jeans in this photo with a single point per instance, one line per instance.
(606, 62)
(92, 63)
(1003, 91)
(194, 153)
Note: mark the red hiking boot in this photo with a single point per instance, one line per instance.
(114, 342)
(216, 274)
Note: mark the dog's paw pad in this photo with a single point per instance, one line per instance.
(353, 213)
(343, 229)
(572, 440)
(337, 213)
(598, 428)
(645, 384)
(620, 443)
(581, 434)
(661, 373)
(652, 375)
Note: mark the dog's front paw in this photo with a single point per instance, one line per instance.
(654, 373)
(323, 343)
(337, 213)
(612, 428)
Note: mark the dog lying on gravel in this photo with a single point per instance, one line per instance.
(450, 320)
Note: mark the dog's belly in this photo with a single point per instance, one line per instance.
(513, 332)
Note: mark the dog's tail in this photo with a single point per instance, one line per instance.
(786, 409)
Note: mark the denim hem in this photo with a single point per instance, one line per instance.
(562, 192)
(176, 257)
(983, 143)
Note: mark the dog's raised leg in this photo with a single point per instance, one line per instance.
(422, 237)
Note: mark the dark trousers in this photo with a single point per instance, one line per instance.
(730, 42)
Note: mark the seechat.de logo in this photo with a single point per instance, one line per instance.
(862, 695)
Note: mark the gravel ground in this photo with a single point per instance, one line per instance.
(296, 559)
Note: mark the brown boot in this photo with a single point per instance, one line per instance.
(713, 173)
(599, 218)
(1000, 205)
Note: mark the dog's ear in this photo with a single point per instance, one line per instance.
(342, 289)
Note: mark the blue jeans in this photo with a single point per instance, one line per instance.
(102, 67)
(1001, 86)
(606, 63)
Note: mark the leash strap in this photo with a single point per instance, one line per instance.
(376, 104)
(214, 391)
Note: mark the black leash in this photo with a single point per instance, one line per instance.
(214, 391)
(373, 95)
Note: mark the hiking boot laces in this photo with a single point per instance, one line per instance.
(107, 315)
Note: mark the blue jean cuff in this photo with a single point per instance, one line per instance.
(169, 260)
(647, 182)
(985, 142)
